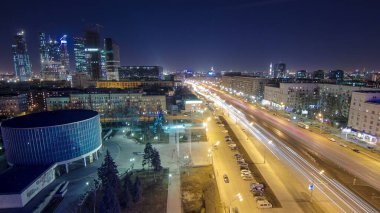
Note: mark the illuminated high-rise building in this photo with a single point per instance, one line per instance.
(80, 55)
(103, 67)
(21, 62)
(64, 54)
(93, 54)
(112, 59)
(52, 65)
(279, 70)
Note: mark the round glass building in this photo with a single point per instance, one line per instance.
(51, 137)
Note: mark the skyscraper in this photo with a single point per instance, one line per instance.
(112, 59)
(80, 55)
(279, 70)
(22, 66)
(64, 54)
(93, 54)
(52, 65)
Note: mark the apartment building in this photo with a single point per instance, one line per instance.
(364, 118)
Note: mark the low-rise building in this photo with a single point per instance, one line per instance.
(364, 118)
(133, 84)
(110, 105)
(292, 97)
(248, 86)
(13, 104)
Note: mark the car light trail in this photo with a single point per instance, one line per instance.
(338, 194)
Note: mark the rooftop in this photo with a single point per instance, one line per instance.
(49, 118)
(16, 179)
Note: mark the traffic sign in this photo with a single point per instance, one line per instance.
(311, 186)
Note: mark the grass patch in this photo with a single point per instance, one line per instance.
(199, 190)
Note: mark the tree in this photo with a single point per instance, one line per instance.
(148, 152)
(156, 160)
(108, 173)
(110, 202)
(127, 197)
(137, 190)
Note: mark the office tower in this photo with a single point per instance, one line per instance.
(80, 55)
(279, 70)
(112, 59)
(103, 68)
(93, 54)
(22, 66)
(301, 74)
(52, 60)
(318, 75)
(64, 54)
(337, 75)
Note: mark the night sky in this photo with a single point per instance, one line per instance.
(197, 34)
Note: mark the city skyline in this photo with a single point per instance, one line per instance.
(241, 36)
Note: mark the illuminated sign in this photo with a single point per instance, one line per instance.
(91, 49)
(193, 102)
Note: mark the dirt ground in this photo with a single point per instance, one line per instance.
(199, 190)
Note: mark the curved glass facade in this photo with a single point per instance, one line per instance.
(54, 144)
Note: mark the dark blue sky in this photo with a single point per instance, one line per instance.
(197, 34)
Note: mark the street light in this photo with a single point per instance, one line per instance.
(170, 176)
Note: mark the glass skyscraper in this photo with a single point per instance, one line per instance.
(93, 54)
(80, 55)
(21, 62)
(112, 58)
(64, 54)
(53, 62)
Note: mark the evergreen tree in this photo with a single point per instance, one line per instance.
(108, 173)
(110, 202)
(127, 197)
(148, 152)
(137, 190)
(156, 160)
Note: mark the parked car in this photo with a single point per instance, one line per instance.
(225, 131)
(356, 150)
(245, 172)
(263, 204)
(234, 148)
(227, 136)
(343, 145)
(332, 139)
(225, 177)
(247, 177)
(237, 155)
(240, 161)
(232, 145)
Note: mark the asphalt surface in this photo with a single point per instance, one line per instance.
(338, 194)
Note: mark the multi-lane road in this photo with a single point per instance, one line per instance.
(278, 131)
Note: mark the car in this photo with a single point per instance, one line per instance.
(227, 136)
(225, 131)
(243, 164)
(138, 153)
(342, 145)
(225, 177)
(243, 130)
(228, 140)
(257, 198)
(239, 161)
(332, 139)
(237, 155)
(356, 150)
(263, 204)
(245, 172)
(234, 148)
(256, 187)
(247, 177)
(232, 145)
(221, 125)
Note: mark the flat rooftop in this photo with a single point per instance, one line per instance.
(17, 178)
(49, 118)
